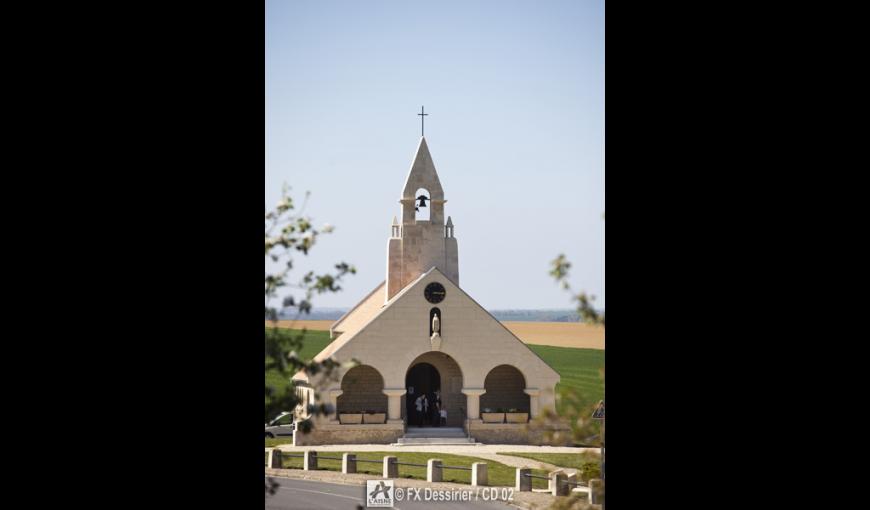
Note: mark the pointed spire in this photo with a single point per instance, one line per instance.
(423, 174)
(448, 228)
(395, 221)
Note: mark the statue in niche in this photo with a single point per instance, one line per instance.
(436, 333)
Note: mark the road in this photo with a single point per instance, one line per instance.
(309, 495)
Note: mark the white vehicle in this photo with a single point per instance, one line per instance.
(282, 425)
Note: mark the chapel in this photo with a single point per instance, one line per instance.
(422, 361)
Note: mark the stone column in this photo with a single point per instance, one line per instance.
(572, 480)
(523, 481)
(391, 469)
(309, 462)
(479, 474)
(434, 470)
(596, 491)
(394, 404)
(533, 394)
(348, 463)
(275, 459)
(333, 401)
(547, 399)
(473, 394)
(558, 487)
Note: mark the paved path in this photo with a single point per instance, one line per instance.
(485, 451)
(520, 462)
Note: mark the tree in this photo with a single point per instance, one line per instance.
(588, 314)
(289, 233)
(580, 415)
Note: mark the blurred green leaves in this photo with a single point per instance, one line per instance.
(288, 233)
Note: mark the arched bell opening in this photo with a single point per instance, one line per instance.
(422, 205)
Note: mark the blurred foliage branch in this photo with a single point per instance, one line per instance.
(559, 271)
(576, 410)
(288, 233)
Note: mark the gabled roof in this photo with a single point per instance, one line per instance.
(360, 313)
(348, 336)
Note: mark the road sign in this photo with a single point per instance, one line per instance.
(598, 414)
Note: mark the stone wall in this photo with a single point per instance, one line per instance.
(505, 390)
(362, 390)
(505, 433)
(350, 434)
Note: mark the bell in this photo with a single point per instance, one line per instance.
(422, 199)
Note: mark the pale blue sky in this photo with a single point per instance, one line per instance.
(515, 97)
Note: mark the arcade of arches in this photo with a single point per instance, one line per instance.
(505, 389)
(362, 390)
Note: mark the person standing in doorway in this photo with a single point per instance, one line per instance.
(425, 417)
(419, 405)
(436, 409)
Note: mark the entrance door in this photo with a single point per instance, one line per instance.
(422, 379)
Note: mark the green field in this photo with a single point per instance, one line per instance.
(579, 368)
(499, 474)
(313, 343)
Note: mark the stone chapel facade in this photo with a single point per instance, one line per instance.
(417, 333)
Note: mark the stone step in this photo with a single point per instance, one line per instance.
(434, 432)
(435, 440)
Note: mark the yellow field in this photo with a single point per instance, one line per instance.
(558, 334)
(312, 325)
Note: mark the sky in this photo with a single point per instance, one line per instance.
(515, 96)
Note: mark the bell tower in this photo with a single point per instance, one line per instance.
(416, 245)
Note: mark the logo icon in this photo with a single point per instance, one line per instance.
(379, 493)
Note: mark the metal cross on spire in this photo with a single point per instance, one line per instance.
(422, 120)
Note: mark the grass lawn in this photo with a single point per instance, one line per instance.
(275, 441)
(579, 368)
(499, 474)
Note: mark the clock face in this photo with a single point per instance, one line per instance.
(434, 292)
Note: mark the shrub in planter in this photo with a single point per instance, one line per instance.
(350, 418)
(515, 416)
(488, 416)
(372, 417)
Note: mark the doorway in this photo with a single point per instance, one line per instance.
(423, 379)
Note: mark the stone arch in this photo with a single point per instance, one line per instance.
(505, 389)
(362, 390)
(450, 383)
